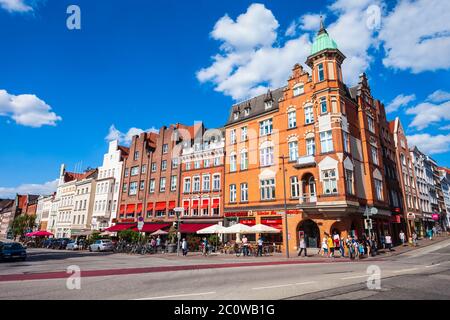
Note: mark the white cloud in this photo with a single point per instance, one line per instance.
(127, 137)
(311, 22)
(439, 96)
(416, 35)
(400, 101)
(38, 189)
(15, 6)
(430, 144)
(27, 110)
(426, 114)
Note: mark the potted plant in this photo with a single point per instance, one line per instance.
(172, 236)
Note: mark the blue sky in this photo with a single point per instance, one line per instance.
(138, 65)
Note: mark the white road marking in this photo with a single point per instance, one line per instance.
(355, 277)
(283, 285)
(178, 295)
(433, 265)
(404, 270)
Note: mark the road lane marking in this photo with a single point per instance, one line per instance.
(355, 277)
(433, 265)
(404, 270)
(283, 285)
(178, 295)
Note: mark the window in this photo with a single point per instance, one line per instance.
(403, 159)
(153, 166)
(371, 124)
(244, 134)
(320, 72)
(143, 168)
(310, 147)
(265, 127)
(126, 172)
(206, 183)
(292, 119)
(244, 192)
(173, 183)
(346, 137)
(206, 163)
(293, 150)
(152, 186)
(197, 164)
(326, 141)
(133, 188)
(295, 187)
(329, 181)
(233, 163)
(379, 189)
(268, 104)
(323, 105)
(309, 115)
(164, 165)
(162, 184)
(136, 155)
(165, 148)
(232, 193)
(236, 115)
(124, 187)
(196, 187)
(349, 181)
(246, 111)
(134, 171)
(188, 166)
(217, 161)
(244, 160)
(374, 152)
(267, 188)
(298, 89)
(187, 185)
(142, 185)
(175, 163)
(233, 136)
(216, 182)
(266, 156)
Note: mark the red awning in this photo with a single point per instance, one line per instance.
(139, 207)
(172, 205)
(130, 208)
(205, 204)
(152, 227)
(193, 227)
(149, 206)
(120, 227)
(186, 205)
(160, 206)
(122, 209)
(195, 204)
(215, 203)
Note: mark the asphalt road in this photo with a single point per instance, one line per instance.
(420, 274)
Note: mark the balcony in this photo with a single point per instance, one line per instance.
(308, 198)
(305, 162)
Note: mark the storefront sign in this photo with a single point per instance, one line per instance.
(271, 221)
(411, 216)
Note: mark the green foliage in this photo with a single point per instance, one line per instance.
(22, 224)
(172, 235)
(193, 242)
(129, 235)
(213, 239)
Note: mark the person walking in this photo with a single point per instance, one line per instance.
(205, 246)
(414, 239)
(184, 247)
(341, 247)
(260, 247)
(153, 245)
(388, 240)
(402, 237)
(349, 244)
(330, 244)
(302, 247)
(325, 246)
(355, 246)
(245, 245)
(158, 243)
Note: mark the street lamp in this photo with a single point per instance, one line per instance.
(178, 211)
(286, 240)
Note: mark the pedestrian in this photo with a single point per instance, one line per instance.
(402, 237)
(434, 231)
(414, 239)
(355, 247)
(245, 245)
(325, 246)
(341, 247)
(430, 234)
(260, 247)
(388, 240)
(153, 244)
(205, 246)
(383, 241)
(330, 244)
(349, 244)
(184, 247)
(158, 243)
(302, 247)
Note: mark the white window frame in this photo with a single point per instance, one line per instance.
(292, 119)
(326, 141)
(244, 192)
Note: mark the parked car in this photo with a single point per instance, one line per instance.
(60, 243)
(12, 250)
(102, 245)
(72, 245)
(48, 243)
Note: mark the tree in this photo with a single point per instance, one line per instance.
(22, 224)
(129, 235)
(172, 235)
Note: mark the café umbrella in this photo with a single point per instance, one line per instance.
(238, 228)
(159, 232)
(214, 229)
(39, 234)
(262, 228)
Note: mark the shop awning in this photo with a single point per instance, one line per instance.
(130, 208)
(193, 227)
(160, 206)
(139, 208)
(186, 205)
(205, 204)
(149, 206)
(215, 203)
(172, 205)
(122, 209)
(120, 227)
(195, 204)
(152, 227)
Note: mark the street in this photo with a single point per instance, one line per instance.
(421, 273)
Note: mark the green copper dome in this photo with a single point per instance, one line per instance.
(322, 41)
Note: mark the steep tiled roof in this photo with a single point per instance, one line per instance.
(125, 150)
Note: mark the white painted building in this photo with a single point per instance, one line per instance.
(83, 203)
(105, 204)
(44, 207)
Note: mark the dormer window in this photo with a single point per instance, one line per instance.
(268, 104)
(236, 115)
(246, 111)
(298, 89)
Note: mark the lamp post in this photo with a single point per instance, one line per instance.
(178, 211)
(286, 240)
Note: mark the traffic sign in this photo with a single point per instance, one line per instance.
(178, 209)
(373, 211)
(368, 224)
